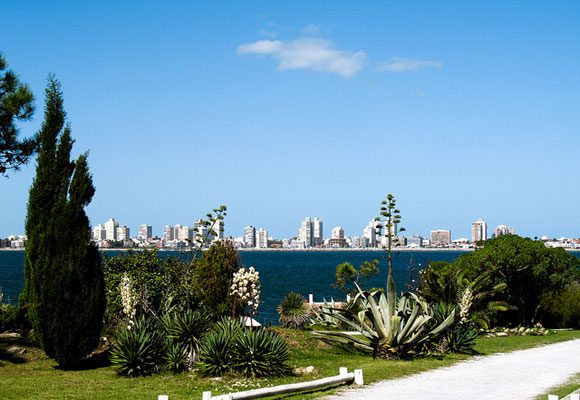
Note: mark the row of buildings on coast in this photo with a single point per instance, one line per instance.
(310, 235)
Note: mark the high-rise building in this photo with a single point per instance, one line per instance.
(305, 232)
(502, 230)
(111, 229)
(218, 230)
(99, 232)
(317, 233)
(338, 233)
(182, 232)
(123, 233)
(262, 239)
(440, 237)
(145, 232)
(478, 231)
(372, 233)
(415, 241)
(249, 236)
(168, 233)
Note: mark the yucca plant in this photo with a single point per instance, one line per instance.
(294, 313)
(138, 349)
(391, 328)
(215, 353)
(232, 347)
(458, 338)
(175, 356)
(187, 328)
(260, 353)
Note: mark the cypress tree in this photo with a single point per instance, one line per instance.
(64, 286)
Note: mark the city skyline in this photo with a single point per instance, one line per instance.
(280, 111)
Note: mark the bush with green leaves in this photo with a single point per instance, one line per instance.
(212, 279)
(459, 338)
(391, 327)
(138, 349)
(185, 329)
(260, 352)
(151, 277)
(234, 348)
(294, 313)
(518, 276)
(562, 310)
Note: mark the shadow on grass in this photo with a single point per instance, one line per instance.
(94, 361)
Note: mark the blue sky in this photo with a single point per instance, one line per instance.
(282, 110)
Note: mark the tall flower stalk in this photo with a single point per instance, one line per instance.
(246, 289)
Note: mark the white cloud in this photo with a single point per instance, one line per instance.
(270, 34)
(261, 47)
(400, 64)
(314, 54)
(312, 29)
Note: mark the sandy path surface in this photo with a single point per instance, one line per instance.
(522, 374)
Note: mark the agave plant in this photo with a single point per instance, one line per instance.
(294, 313)
(390, 328)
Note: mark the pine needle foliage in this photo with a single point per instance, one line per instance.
(16, 104)
(64, 287)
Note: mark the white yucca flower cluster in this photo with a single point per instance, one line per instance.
(1, 295)
(465, 304)
(128, 299)
(246, 287)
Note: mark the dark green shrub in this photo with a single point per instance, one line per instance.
(13, 318)
(212, 279)
(151, 276)
(260, 353)
(562, 310)
(138, 349)
(64, 288)
(215, 353)
(294, 312)
(176, 356)
(458, 338)
(187, 328)
(232, 347)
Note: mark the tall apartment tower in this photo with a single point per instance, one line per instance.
(502, 230)
(262, 239)
(317, 233)
(440, 237)
(338, 233)
(305, 232)
(145, 231)
(99, 232)
(250, 236)
(168, 233)
(111, 229)
(372, 233)
(123, 233)
(478, 231)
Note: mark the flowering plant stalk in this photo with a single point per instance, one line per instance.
(246, 289)
(128, 299)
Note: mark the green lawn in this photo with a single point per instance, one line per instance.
(37, 377)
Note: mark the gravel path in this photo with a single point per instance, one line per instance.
(522, 374)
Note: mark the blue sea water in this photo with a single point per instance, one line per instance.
(281, 272)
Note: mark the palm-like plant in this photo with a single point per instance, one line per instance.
(187, 328)
(294, 313)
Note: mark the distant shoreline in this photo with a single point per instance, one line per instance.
(419, 249)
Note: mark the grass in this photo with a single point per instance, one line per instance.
(36, 376)
(570, 386)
